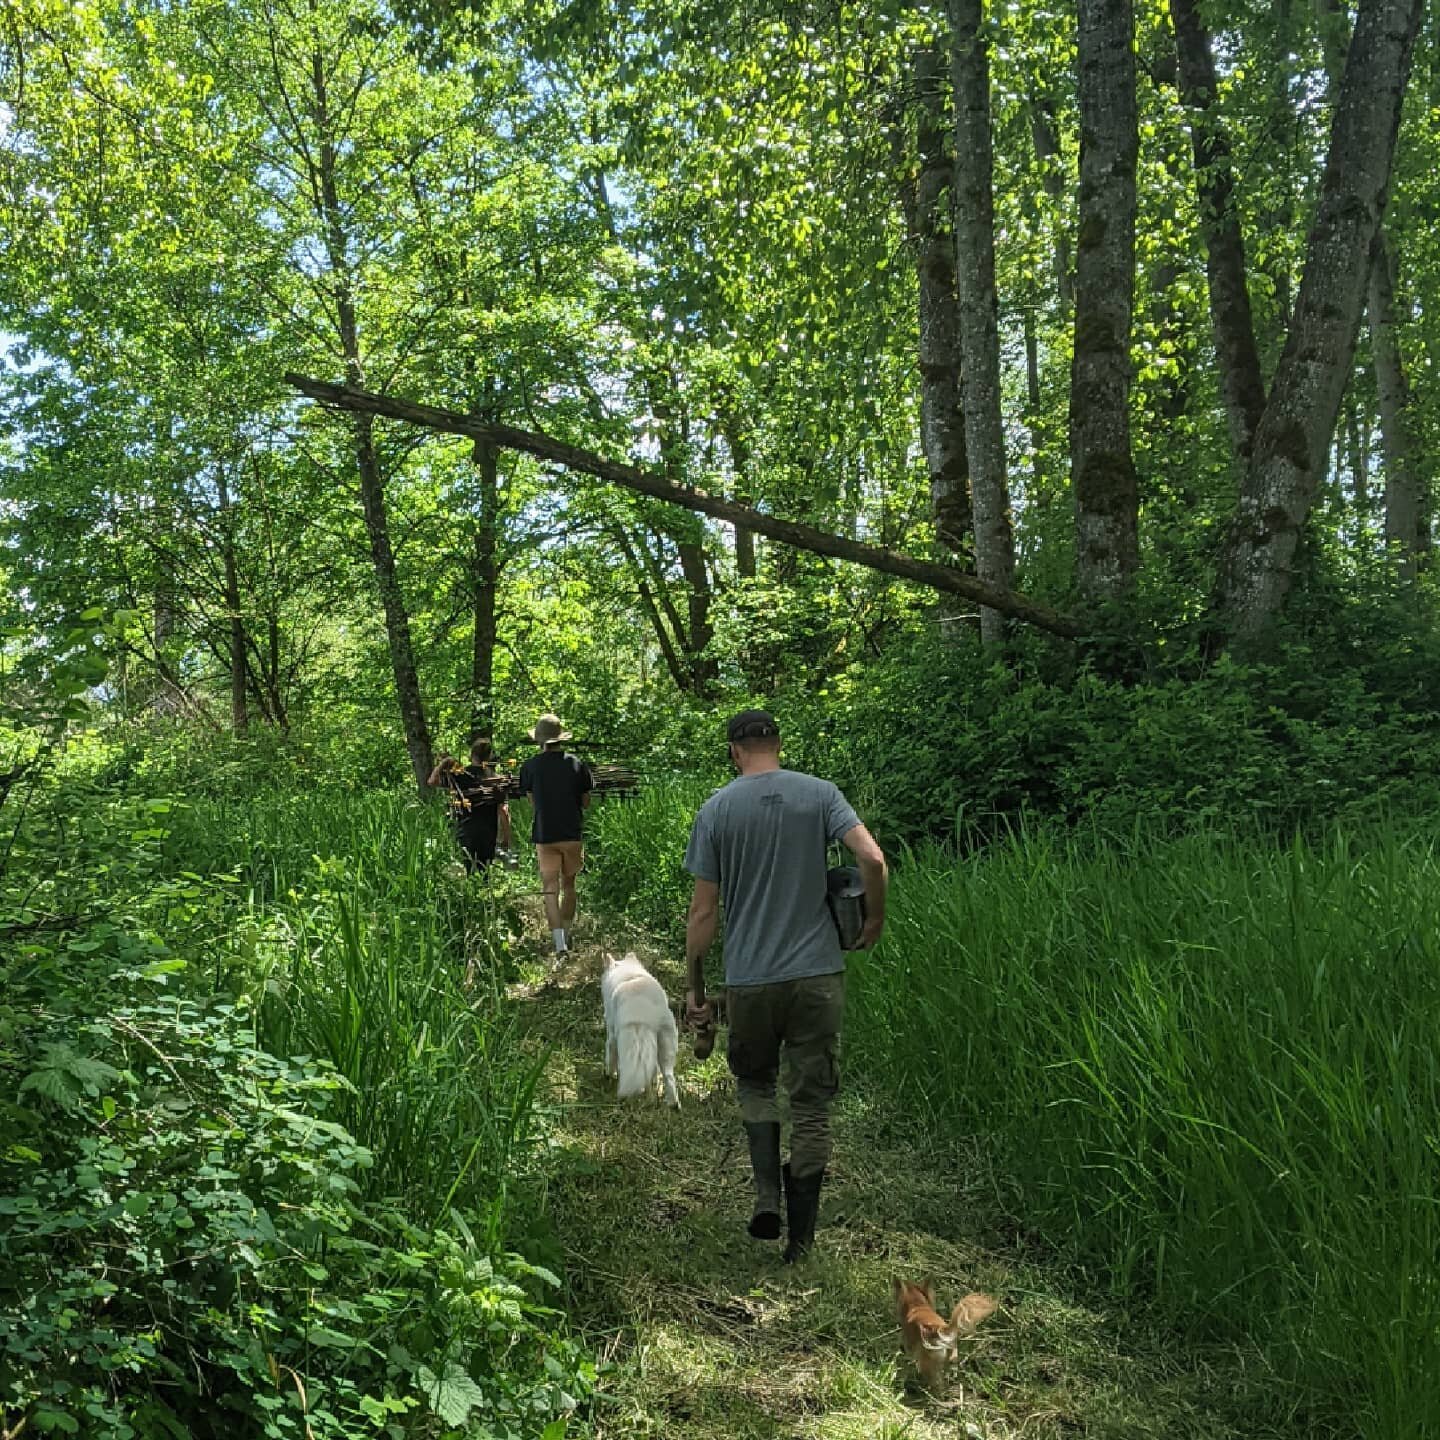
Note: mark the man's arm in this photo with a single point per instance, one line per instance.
(871, 860)
(442, 768)
(700, 926)
(504, 825)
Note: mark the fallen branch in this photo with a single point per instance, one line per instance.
(788, 532)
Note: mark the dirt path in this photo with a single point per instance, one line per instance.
(708, 1335)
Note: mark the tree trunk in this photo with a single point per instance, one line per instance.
(484, 579)
(1034, 417)
(740, 462)
(1242, 385)
(928, 202)
(979, 320)
(1047, 153)
(700, 631)
(1293, 437)
(239, 710)
(945, 578)
(372, 483)
(1102, 468)
(1407, 526)
(663, 637)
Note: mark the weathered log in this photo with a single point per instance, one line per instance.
(788, 532)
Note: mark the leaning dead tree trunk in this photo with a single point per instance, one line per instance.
(1293, 437)
(979, 306)
(1102, 469)
(927, 198)
(1242, 384)
(788, 532)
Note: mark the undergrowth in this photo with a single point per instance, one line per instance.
(268, 1147)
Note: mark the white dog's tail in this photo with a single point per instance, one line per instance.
(638, 1060)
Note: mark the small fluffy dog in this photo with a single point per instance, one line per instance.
(640, 1034)
(926, 1337)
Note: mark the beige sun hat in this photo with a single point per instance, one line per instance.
(548, 730)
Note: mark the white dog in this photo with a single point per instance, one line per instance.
(640, 1035)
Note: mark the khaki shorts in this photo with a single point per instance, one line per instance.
(561, 860)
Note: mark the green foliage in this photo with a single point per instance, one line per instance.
(183, 1237)
(268, 1157)
(924, 743)
(635, 856)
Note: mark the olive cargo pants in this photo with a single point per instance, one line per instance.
(799, 1019)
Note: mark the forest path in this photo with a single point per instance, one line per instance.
(709, 1335)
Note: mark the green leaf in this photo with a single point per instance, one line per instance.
(453, 1396)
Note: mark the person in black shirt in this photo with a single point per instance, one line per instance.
(477, 804)
(559, 788)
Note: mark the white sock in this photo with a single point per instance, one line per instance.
(558, 936)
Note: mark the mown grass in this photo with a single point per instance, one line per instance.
(1206, 1066)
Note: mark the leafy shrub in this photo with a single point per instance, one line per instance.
(183, 1251)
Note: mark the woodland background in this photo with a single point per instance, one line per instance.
(1119, 318)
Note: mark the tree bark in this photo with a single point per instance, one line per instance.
(1242, 384)
(739, 447)
(1102, 468)
(1047, 152)
(927, 199)
(789, 532)
(484, 579)
(1407, 526)
(700, 631)
(239, 709)
(979, 317)
(1034, 418)
(372, 483)
(678, 672)
(1293, 437)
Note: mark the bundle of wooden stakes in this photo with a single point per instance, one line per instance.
(618, 780)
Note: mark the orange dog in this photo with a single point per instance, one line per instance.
(926, 1337)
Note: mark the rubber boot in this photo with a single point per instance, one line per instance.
(802, 1205)
(764, 1140)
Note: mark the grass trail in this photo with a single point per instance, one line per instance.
(710, 1336)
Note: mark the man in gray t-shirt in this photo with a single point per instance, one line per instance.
(758, 848)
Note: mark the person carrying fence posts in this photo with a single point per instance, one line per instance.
(478, 806)
(559, 786)
(759, 847)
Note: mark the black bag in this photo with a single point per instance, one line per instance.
(845, 895)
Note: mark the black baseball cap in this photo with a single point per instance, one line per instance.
(751, 725)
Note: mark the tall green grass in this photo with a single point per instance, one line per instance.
(1211, 1064)
(347, 924)
(1208, 1066)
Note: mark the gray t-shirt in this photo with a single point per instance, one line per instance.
(763, 839)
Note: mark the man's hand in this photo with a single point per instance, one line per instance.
(874, 924)
(700, 1017)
